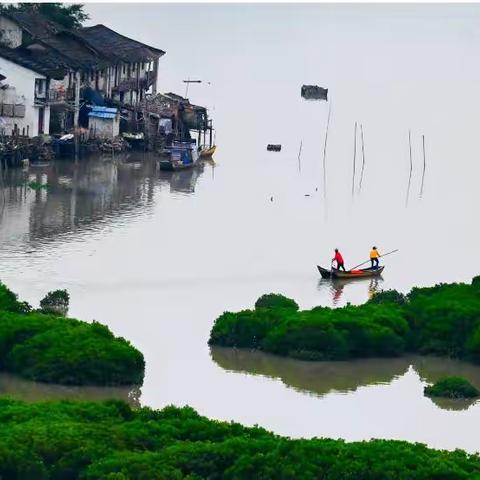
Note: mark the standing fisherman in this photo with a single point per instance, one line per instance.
(339, 259)
(374, 256)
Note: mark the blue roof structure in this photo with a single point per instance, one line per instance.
(103, 112)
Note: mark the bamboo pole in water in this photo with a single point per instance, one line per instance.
(363, 159)
(299, 157)
(411, 167)
(354, 158)
(424, 166)
(325, 155)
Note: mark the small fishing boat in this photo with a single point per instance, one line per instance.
(350, 274)
(182, 155)
(207, 151)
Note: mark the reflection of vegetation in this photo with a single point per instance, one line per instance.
(110, 440)
(452, 387)
(442, 320)
(53, 349)
(20, 389)
(319, 378)
(455, 404)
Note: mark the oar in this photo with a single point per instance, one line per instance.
(363, 263)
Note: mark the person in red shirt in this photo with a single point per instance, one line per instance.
(339, 259)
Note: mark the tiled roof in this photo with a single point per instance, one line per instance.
(34, 23)
(117, 47)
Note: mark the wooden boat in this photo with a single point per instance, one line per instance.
(207, 151)
(182, 155)
(350, 274)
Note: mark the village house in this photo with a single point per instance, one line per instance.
(58, 73)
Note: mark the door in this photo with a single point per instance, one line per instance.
(41, 116)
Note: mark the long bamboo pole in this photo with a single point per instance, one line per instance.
(299, 157)
(325, 154)
(411, 167)
(354, 158)
(424, 166)
(366, 261)
(363, 160)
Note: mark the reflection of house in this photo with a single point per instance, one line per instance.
(93, 64)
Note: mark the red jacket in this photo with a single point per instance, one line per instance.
(338, 257)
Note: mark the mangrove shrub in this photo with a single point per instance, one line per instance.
(440, 320)
(108, 440)
(54, 349)
(452, 387)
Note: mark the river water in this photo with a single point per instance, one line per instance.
(158, 256)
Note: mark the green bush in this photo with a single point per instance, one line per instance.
(452, 387)
(9, 301)
(53, 349)
(275, 300)
(441, 320)
(55, 302)
(82, 440)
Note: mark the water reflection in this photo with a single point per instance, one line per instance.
(42, 203)
(18, 388)
(336, 286)
(319, 378)
(322, 378)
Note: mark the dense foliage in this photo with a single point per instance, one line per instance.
(69, 15)
(80, 440)
(452, 387)
(50, 348)
(275, 300)
(441, 320)
(55, 302)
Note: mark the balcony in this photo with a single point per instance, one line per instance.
(60, 96)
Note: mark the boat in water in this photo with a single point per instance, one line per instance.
(180, 155)
(206, 151)
(350, 274)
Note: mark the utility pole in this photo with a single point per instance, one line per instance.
(188, 82)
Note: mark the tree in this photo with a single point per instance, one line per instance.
(66, 15)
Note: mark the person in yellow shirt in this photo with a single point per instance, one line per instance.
(374, 256)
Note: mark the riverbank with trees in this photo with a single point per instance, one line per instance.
(47, 347)
(110, 440)
(443, 320)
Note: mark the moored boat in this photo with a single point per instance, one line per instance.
(350, 274)
(182, 155)
(207, 151)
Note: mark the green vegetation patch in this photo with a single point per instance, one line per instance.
(54, 349)
(441, 320)
(83, 440)
(452, 387)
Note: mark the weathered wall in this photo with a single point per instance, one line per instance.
(23, 80)
(104, 127)
(10, 33)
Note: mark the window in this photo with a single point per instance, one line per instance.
(124, 68)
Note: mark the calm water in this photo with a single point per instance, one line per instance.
(158, 257)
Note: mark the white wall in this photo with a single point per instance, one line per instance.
(10, 33)
(23, 80)
(104, 127)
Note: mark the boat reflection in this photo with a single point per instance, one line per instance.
(336, 286)
(321, 378)
(20, 389)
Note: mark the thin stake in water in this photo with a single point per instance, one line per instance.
(299, 157)
(411, 167)
(325, 155)
(424, 166)
(363, 160)
(354, 158)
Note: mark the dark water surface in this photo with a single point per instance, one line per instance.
(157, 257)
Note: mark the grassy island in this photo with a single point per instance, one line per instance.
(109, 440)
(440, 320)
(452, 387)
(54, 349)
